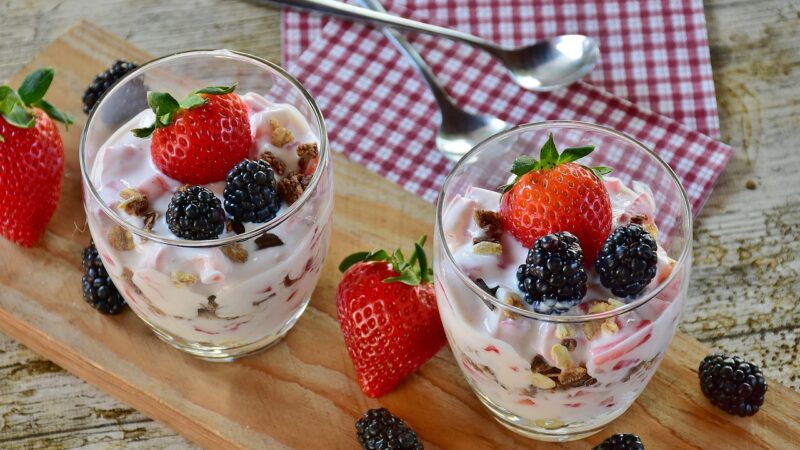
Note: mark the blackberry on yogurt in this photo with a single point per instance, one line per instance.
(552, 277)
(627, 260)
(251, 193)
(195, 213)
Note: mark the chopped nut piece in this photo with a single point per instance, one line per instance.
(599, 306)
(592, 329)
(542, 382)
(120, 238)
(512, 299)
(487, 248)
(183, 279)
(609, 327)
(280, 134)
(236, 253)
(540, 365)
(490, 224)
(292, 186)
(652, 229)
(572, 375)
(268, 240)
(570, 344)
(150, 220)
(562, 356)
(277, 164)
(234, 226)
(306, 153)
(133, 202)
(566, 331)
(639, 219)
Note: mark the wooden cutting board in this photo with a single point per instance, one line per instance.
(302, 393)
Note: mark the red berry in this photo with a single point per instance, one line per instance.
(31, 167)
(203, 143)
(567, 197)
(390, 329)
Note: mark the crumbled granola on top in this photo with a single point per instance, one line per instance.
(277, 164)
(490, 225)
(306, 154)
(133, 202)
(280, 134)
(292, 186)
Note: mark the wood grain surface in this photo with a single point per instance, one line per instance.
(301, 394)
(746, 246)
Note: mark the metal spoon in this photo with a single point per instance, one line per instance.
(542, 66)
(460, 130)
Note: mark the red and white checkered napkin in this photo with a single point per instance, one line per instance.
(381, 114)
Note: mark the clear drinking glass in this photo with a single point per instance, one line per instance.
(190, 293)
(506, 352)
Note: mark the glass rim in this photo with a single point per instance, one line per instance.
(687, 223)
(324, 156)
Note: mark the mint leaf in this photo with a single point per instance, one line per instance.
(35, 85)
(164, 105)
(143, 132)
(8, 98)
(19, 117)
(192, 101)
(523, 164)
(216, 90)
(55, 113)
(409, 277)
(574, 153)
(548, 155)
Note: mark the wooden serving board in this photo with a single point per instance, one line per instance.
(302, 393)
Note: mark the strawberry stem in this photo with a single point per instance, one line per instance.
(15, 106)
(550, 158)
(412, 271)
(166, 107)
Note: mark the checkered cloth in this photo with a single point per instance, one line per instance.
(381, 114)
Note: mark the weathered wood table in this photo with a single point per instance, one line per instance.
(746, 280)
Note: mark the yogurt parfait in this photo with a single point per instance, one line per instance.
(561, 276)
(210, 208)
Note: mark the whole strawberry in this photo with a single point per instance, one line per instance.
(198, 140)
(387, 310)
(31, 158)
(555, 194)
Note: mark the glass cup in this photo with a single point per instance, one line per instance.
(559, 377)
(223, 298)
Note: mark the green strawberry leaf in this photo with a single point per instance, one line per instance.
(573, 154)
(164, 105)
(19, 117)
(192, 101)
(599, 171)
(524, 164)
(548, 155)
(55, 113)
(8, 98)
(375, 255)
(35, 85)
(144, 132)
(426, 273)
(216, 90)
(409, 277)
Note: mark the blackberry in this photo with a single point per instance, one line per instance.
(627, 260)
(98, 289)
(195, 213)
(552, 277)
(251, 193)
(621, 441)
(379, 429)
(105, 80)
(732, 384)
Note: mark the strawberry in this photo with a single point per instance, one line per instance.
(556, 194)
(31, 158)
(198, 140)
(387, 310)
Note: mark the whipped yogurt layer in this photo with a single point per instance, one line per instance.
(216, 296)
(553, 375)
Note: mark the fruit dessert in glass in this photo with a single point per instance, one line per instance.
(208, 193)
(561, 289)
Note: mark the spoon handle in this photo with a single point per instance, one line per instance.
(382, 18)
(442, 97)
